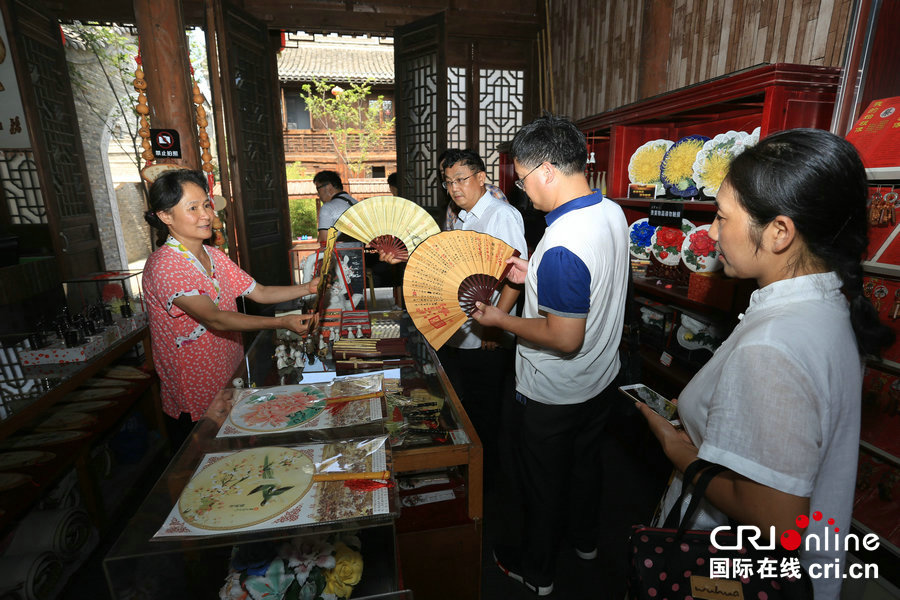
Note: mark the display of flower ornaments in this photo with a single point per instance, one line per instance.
(714, 158)
(325, 567)
(666, 242)
(698, 251)
(677, 168)
(644, 166)
(640, 238)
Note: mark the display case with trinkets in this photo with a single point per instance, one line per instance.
(428, 429)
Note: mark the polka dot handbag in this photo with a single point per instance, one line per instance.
(672, 562)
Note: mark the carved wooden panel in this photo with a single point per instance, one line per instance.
(58, 154)
(255, 147)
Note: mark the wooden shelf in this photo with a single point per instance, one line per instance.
(885, 269)
(883, 174)
(772, 97)
(14, 422)
(878, 452)
(676, 294)
(688, 204)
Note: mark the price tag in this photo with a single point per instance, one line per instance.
(641, 190)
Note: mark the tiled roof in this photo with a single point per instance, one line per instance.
(336, 58)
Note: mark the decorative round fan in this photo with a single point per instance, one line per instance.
(388, 224)
(447, 274)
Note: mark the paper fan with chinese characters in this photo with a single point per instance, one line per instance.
(388, 224)
(447, 274)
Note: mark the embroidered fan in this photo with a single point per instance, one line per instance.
(447, 274)
(389, 224)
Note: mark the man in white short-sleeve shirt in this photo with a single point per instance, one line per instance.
(479, 363)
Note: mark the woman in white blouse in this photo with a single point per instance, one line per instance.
(779, 402)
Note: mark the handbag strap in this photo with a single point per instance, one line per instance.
(699, 492)
(699, 489)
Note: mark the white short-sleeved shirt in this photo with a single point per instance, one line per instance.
(779, 403)
(502, 221)
(578, 270)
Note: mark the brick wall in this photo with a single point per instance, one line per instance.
(92, 103)
(140, 241)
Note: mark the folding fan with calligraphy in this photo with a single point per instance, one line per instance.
(447, 274)
(389, 224)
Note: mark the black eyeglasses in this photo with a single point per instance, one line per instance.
(520, 183)
(319, 187)
(458, 181)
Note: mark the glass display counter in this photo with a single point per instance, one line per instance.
(410, 536)
(202, 564)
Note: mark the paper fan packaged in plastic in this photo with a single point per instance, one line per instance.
(389, 224)
(447, 274)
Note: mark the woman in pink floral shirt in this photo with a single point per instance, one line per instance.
(191, 290)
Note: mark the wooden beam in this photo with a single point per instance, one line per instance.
(163, 47)
(372, 17)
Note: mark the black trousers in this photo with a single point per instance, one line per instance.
(553, 453)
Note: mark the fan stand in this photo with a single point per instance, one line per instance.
(340, 267)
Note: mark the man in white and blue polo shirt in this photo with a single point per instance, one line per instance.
(567, 357)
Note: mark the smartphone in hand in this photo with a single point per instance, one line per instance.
(659, 403)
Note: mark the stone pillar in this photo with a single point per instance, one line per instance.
(164, 50)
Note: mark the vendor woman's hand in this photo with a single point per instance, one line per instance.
(299, 324)
(312, 285)
(220, 406)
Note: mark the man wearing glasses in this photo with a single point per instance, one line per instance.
(479, 362)
(567, 359)
(334, 201)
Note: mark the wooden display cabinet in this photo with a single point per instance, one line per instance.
(771, 97)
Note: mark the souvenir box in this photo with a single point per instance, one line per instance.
(695, 338)
(657, 321)
(58, 352)
(127, 325)
(356, 321)
(112, 288)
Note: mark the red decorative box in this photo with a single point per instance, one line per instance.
(711, 289)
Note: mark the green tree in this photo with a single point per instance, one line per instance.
(352, 120)
(303, 217)
(296, 170)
